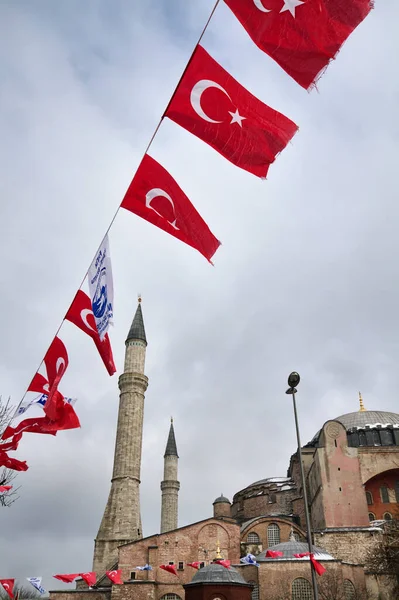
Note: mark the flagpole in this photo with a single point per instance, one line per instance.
(145, 152)
(293, 380)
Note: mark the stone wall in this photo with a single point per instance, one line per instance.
(348, 545)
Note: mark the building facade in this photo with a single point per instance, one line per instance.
(352, 473)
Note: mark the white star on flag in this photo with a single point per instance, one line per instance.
(291, 6)
(236, 117)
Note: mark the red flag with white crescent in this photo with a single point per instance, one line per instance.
(302, 36)
(8, 585)
(90, 578)
(212, 105)
(115, 576)
(56, 361)
(155, 196)
(12, 463)
(67, 577)
(80, 313)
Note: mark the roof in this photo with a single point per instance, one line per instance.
(221, 500)
(137, 331)
(171, 448)
(293, 547)
(368, 417)
(215, 573)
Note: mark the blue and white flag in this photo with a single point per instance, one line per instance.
(249, 559)
(40, 400)
(102, 288)
(145, 568)
(37, 583)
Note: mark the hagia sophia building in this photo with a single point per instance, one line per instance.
(352, 475)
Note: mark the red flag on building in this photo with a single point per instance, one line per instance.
(301, 36)
(67, 578)
(169, 569)
(5, 488)
(90, 578)
(12, 463)
(212, 105)
(194, 565)
(115, 576)
(224, 562)
(8, 585)
(80, 313)
(155, 196)
(317, 566)
(274, 554)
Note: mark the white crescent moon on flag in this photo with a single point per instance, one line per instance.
(60, 364)
(196, 93)
(154, 193)
(46, 387)
(84, 314)
(259, 5)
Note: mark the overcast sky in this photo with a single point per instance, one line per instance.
(306, 278)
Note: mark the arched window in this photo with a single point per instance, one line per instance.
(253, 538)
(397, 490)
(384, 494)
(296, 535)
(301, 589)
(255, 590)
(349, 590)
(369, 498)
(171, 597)
(371, 517)
(388, 516)
(273, 535)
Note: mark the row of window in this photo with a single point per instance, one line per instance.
(387, 516)
(373, 437)
(273, 536)
(302, 589)
(384, 494)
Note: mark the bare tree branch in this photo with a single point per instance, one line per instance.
(7, 411)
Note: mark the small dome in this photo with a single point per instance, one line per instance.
(214, 573)
(293, 547)
(361, 418)
(221, 499)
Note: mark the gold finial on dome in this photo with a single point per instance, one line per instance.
(139, 298)
(218, 554)
(361, 409)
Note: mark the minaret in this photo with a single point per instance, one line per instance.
(170, 485)
(121, 521)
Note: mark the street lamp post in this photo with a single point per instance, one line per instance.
(293, 381)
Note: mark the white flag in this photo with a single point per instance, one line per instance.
(102, 288)
(37, 583)
(41, 400)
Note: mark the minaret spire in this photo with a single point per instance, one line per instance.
(361, 409)
(170, 485)
(122, 519)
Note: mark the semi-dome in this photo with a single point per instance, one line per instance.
(368, 418)
(215, 573)
(221, 500)
(294, 547)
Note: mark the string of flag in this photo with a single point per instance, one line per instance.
(302, 37)
(115, 576)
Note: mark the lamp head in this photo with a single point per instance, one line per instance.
(294, 379)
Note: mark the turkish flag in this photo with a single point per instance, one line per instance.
(67, 419)
(224, 562)
(56, 361)
(115, 576)
(301, 36)
(274, 554)
(67, 578)
(194, 565)
(13, 445)
(318, 567)
(12, 463)
(213, 106)
(155, 196)
(90, 578)
(40, 384)
(169, 569)
(8, 585)
(5, 488)
(80, 313)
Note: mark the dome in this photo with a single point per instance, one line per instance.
(214, 573)
(221, 499)
(293, 547)
(371, 418)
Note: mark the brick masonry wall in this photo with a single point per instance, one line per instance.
(349, 546)
(260, 528)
